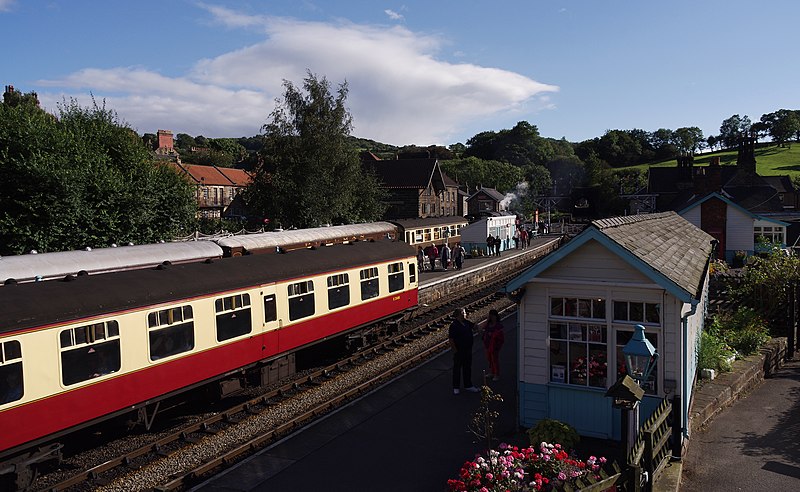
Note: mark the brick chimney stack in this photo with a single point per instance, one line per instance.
(714, 176)
(746, 160)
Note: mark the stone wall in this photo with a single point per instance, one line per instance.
(713, 396)
(458, 284)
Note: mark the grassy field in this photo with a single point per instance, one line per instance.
(771, 160)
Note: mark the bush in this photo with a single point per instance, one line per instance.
(550, 430)
(744, 331)
(713, 353)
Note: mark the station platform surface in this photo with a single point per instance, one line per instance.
(409, 435)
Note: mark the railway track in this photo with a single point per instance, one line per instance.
(183, 456)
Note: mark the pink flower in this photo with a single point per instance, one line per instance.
(561, 476)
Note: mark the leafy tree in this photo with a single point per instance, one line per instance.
(184, 143)
(663, 143)
(474, 172)
(540, 183)
(310, 173)
(520, 146)
(689, 139)
(83, 179)
(781, 125)
(732, 128)
(457, 149)
(711, 141)
(566, 173)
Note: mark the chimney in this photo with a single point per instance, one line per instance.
(685, 164)
(699, 182)
(746, 160)
(714, 176)
(165, 144)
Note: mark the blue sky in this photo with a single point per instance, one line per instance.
(422, 72)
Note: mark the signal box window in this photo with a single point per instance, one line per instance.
(369, 283)
(11, 384)
(233, 316)
(338, 290)
(396, 278)
(90, 351)
(301, 300)
(270, 308)
(171, 331)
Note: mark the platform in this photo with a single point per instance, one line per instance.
(409, 435)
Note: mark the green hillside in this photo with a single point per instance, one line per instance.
(771, 160)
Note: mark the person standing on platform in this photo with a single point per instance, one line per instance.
(493, 339)
(490, 244)
(420, 258)
(433, 253)
(460, 335)
(458, 255)
(445, 256)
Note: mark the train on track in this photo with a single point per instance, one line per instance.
(91, 347)
(48, 266)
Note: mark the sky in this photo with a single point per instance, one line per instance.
(418, 72)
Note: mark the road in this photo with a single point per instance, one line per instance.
(754, 445)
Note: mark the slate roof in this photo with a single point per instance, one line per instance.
(404, 173)
(666, 242)
(491, 193)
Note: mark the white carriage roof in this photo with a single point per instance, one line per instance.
(46, 266)
(266, 240)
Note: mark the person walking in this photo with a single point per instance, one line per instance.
(458, 255)
(460, 335)
(493, 339)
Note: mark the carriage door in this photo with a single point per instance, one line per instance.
(270, 321)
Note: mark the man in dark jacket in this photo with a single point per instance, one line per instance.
(460, 335)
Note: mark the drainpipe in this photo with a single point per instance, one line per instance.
(685, 369)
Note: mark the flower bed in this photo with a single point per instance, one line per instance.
(528, 469)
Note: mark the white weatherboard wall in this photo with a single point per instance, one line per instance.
(591, 271)
(693, 216)
(739, 230)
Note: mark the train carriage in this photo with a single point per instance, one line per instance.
(430, 230)
(78, 351)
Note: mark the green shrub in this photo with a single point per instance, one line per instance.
(552, 431)
(744, 330)
(713, 353)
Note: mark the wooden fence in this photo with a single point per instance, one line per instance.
(652, 449)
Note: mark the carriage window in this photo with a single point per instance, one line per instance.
(270, 308)
(369, 283)
(338, 290)
(89, 351)
(233, 316)
(171, 331)
(396, 279)
(11, 385)
(412, 273)
(301, 300)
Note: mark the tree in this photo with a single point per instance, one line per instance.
(732, 128)
(781, 125)
(520, 146)
(310, 174)
(711, 141)
(474, 172)
(689, 139)
(83, 179)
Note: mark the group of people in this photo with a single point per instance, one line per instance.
(522, 238)
(493, 245)
(461, 336)
(447, 256)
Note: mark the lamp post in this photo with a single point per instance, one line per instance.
(640, 359)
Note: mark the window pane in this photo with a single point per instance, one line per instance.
(80, 335)
(270, 309)
(621, 310)
(369, 289)
(652, 313)
(66, 338)
(577, 332)
(84, 363)
(599, 308)
(597, 366)
(396, 282)
(99, 331)
(636, 311)
(172, 340)
(152, 320)
(227, 304)
(218, 305)
(558, 330)
(11, 384)
(232, 325)
(577, 364)
(338, 297)
(12, 350)
(596, 334)
(113, 328)
(557, 306)
(301, 306)
(584, 308)
(558, 362)
(570, 307)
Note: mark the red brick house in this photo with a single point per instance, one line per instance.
(218, 189)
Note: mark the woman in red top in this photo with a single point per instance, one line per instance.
(493, 339)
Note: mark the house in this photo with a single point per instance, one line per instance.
(417, 188)
(732, 203)
(578, 308)
(485, 201)
(218, 190)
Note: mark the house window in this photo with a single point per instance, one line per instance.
(396, 279)
(637, 312)
(770, 234)
(301, 300)
(11, 383)
(578, 353)
(572, 307)
(338, 290)
(89, 351)
(369, 283)
(233, 316)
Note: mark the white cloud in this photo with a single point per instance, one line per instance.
(394, 15)
(5, 5)
(400, 92)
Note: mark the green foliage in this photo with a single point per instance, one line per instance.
(551, 430)
(82, 179)
(732, 128)
(521, 146)
(474, 172)
(713, 353)
(744, 330)
(311, 174)
(481, 425)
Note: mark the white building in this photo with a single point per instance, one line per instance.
(499, 224)
(580, 305)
